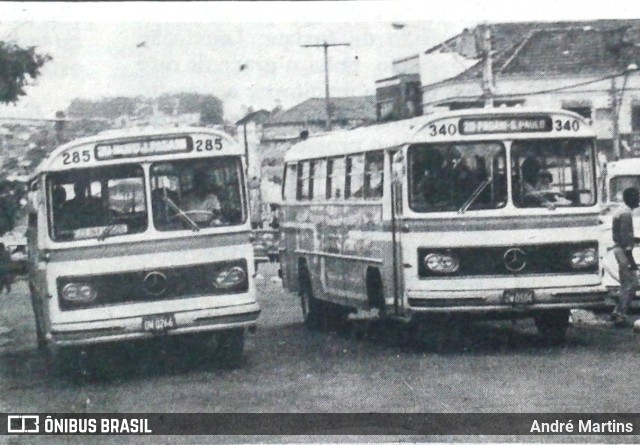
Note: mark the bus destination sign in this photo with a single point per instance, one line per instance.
(530, 124)
(147, 147)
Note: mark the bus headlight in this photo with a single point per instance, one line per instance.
(79, 293)
(584, 258)
(229, 278)
(442, 262)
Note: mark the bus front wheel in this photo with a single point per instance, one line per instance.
(40, 333)
(231, 348)
(553, 325)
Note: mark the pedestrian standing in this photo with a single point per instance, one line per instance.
(624, 241)
(6, 277)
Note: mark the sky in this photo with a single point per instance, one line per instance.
(248, 54)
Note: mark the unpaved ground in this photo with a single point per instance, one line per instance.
(487, 367)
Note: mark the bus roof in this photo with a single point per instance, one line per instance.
(52, 161)
(624, 167)
(398, 133)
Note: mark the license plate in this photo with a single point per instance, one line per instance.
(518, 296)
(158, 323)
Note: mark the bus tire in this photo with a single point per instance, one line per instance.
(553, 325)
(71, 362)
(40, 334)
(375, 291)
(231, 348)
(310, 305)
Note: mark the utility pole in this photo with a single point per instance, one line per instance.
(326, 46)
(488, 85)
(617, 98)
(615, 106)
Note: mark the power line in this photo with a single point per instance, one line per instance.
(326, 46)
(553, 90)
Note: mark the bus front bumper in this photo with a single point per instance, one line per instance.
(132, 328)
(612, 300)
(505, 301)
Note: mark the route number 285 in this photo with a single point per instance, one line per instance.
(208, 144)
(75, 157)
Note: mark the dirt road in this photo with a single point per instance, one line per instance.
(487, 367)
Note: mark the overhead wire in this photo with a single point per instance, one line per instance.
(553, 90)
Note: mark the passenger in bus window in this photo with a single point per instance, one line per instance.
(58, 198)
(428, 189)
(469, 172)
(529, 171)
(201, 204)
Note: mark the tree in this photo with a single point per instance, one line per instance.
(211, 112)
(18, 67)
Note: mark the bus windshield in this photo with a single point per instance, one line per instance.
(196, 193)
(619, 183)
(97, 202)
(472, 175)
(553, 173)
(457, 177)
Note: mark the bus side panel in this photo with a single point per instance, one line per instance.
(363, 240)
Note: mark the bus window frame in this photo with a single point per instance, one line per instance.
(49, 198)
(594, 173)
(242, 191)
(408, 159)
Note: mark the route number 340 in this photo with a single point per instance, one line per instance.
(566, 125)
(208, 144)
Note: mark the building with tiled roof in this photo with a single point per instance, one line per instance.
(588, 66)
(345, 111)
(285, 127)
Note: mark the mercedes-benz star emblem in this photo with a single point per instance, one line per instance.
(515, 259)
(155, 283)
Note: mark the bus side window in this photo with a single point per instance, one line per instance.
(304, 187)
(374, 175)
(290, 180)
(354, 187)
(335, 178)
(318, 180)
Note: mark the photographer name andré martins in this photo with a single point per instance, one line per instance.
(582, 427)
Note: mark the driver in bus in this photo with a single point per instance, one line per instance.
(201, 204)
(81, 211)
(543, 192)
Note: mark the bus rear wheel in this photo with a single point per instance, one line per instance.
(310, 305)
(553, 325)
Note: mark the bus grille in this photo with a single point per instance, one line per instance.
(153, 285)
(510, 260)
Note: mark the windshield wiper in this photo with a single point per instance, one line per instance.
(107, 231)
(181, 213)
(483, 185)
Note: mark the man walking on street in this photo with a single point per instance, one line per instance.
(624, 240)
(5, 269)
